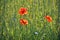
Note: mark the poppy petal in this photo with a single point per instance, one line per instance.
(49, 19)
(22, 11)
(23, 21)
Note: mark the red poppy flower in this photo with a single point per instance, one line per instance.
(22, 11)
(23, 21)
(49, 19)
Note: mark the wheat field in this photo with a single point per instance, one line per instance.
(11, 29)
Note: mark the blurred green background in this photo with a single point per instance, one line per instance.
(10, 28)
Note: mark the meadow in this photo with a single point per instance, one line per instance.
(11, 29)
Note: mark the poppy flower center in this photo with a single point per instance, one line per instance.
(22, 11)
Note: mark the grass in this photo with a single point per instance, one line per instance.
(10, 28)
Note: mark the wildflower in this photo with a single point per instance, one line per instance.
(36, 33)
(23, 21)
(49, 19)
(23, 11)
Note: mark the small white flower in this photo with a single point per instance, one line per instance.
(36, 32)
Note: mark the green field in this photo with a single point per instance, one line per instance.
(11, 29)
